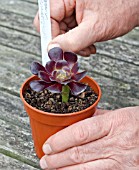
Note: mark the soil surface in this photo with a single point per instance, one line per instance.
(51, 103)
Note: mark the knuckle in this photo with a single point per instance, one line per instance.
(81, 134)
(77, 155)
(98, 128)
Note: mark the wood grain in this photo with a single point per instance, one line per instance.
(7, 163)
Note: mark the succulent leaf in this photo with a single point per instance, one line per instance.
(75, 68)
(60, 64)
(39, 85)
(50, 66)
(71, 58)
(66, 81)
(44, 76)
(55, 88)
(79, 76)
(56, 54)
(76, 88)
(35, 67)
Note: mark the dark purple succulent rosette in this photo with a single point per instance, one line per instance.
(62, 69)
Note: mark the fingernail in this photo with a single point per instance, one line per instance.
(47, 149)
(43, 164)
(52, 46)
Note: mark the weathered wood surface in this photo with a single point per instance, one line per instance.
(115, 67)
(7, 163)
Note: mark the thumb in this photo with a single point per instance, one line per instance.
(74, 40)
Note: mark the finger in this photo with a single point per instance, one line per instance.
(36, 22)
(57, 10)
(63, 26)
(55, 25)
(74, 40)
(99, 149)
(83, 53)
(104, 164)
(61, 9)
(68, 23)
(77, 134)
(55, 28)
(92, 49)
(88, 51)
(71, 19)
(72, 24)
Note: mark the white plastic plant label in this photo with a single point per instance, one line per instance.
(45, 28)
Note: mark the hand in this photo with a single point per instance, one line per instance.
(104, 142)
(77, 24)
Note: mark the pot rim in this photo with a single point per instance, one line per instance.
(59, 114)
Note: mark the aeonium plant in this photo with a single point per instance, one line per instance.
(60, 74)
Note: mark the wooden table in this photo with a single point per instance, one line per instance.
(115, 67)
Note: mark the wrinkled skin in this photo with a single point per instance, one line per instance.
(94, 21)
(107, 141)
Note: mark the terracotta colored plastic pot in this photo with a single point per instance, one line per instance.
(44, 124)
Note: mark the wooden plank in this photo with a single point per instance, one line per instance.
(116, 94)
(12, 109)
(7, 163)
(131, 38)
(17, 22)
(119, 50)
(31, 1)
(17, 142)
(14, 67)
(19, 40)
(111, 67)
(19, 7)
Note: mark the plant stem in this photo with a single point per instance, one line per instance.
(65, 93)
